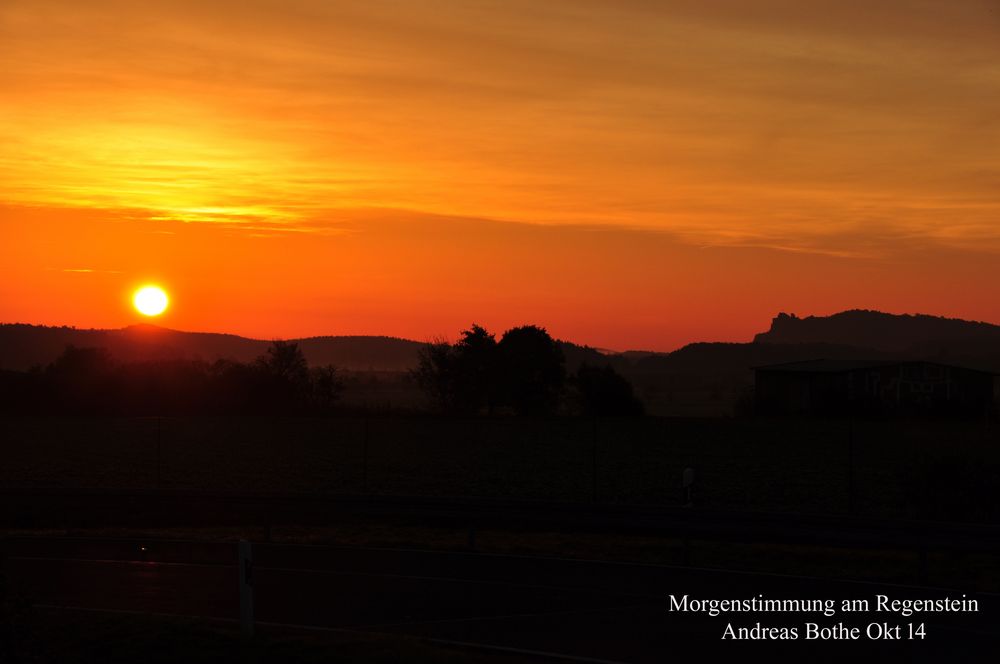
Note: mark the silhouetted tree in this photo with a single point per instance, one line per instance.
(530, 370)
(285, 361)
(474, 370)
(284, 377)
(236, 387)
(81, 380)
(162, 387)
(326, 387)
(433, 373)
(603, 392)
(21, 392)
(461, 377)
(88, 381)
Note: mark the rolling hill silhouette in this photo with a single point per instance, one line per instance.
(722, 369)
(877, 330)
(23, 346)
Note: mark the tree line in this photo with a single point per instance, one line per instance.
(88, 381)
(522, 373)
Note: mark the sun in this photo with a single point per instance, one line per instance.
(150, 300)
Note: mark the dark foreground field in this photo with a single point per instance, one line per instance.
(96, 637)
(937, 470)
(446, 606)
(426, 539)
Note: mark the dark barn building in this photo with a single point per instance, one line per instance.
(844, 386)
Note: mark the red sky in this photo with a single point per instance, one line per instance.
(630, 174)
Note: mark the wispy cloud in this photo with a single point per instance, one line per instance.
(85, 270)
(775, 123)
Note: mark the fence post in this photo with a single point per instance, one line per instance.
(923, 563)
(364, 462)
(593, 463)
(850, 466)
(246, 589)
(687, 486)
(158, 453)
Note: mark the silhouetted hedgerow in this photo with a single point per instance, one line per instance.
(524, 373)
(603, 392)
(88, 381)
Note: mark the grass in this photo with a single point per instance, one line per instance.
(90, 637)
(940, 470)
(976, 571)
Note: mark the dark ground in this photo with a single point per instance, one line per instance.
(480, 539)
(509, 605)
(928, 470)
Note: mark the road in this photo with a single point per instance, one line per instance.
(583, 610)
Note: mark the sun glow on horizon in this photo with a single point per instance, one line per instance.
(150, 300)
(630, 175)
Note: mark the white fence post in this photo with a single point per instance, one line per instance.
(246, 589)
(687, 485)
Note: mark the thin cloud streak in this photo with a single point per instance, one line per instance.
(705, 119)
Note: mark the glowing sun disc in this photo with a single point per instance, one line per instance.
(150, 300)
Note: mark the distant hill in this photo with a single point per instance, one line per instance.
(698, 379)
(712, 378)
(889, 332)
(23, 346)
(735, 361)
(359, 353)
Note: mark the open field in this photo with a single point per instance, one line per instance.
(501, 604)
(604, 471)
(86, 637)
(950, 569)
(898, 468)
(923, 470)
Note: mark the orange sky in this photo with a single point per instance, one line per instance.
(630, 174)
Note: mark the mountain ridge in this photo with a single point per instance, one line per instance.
(879, 330)
(23, 345)
(854, 333)
(696, 380)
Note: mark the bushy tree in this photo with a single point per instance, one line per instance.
(236, 387)
(283, 377)
(81, 380)
(434, 373)
(325, 387)
(523, 371)
(603, 392)
(474, 371)
(531, 370)
(88, 381)
(285, 361)
(461, 377)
